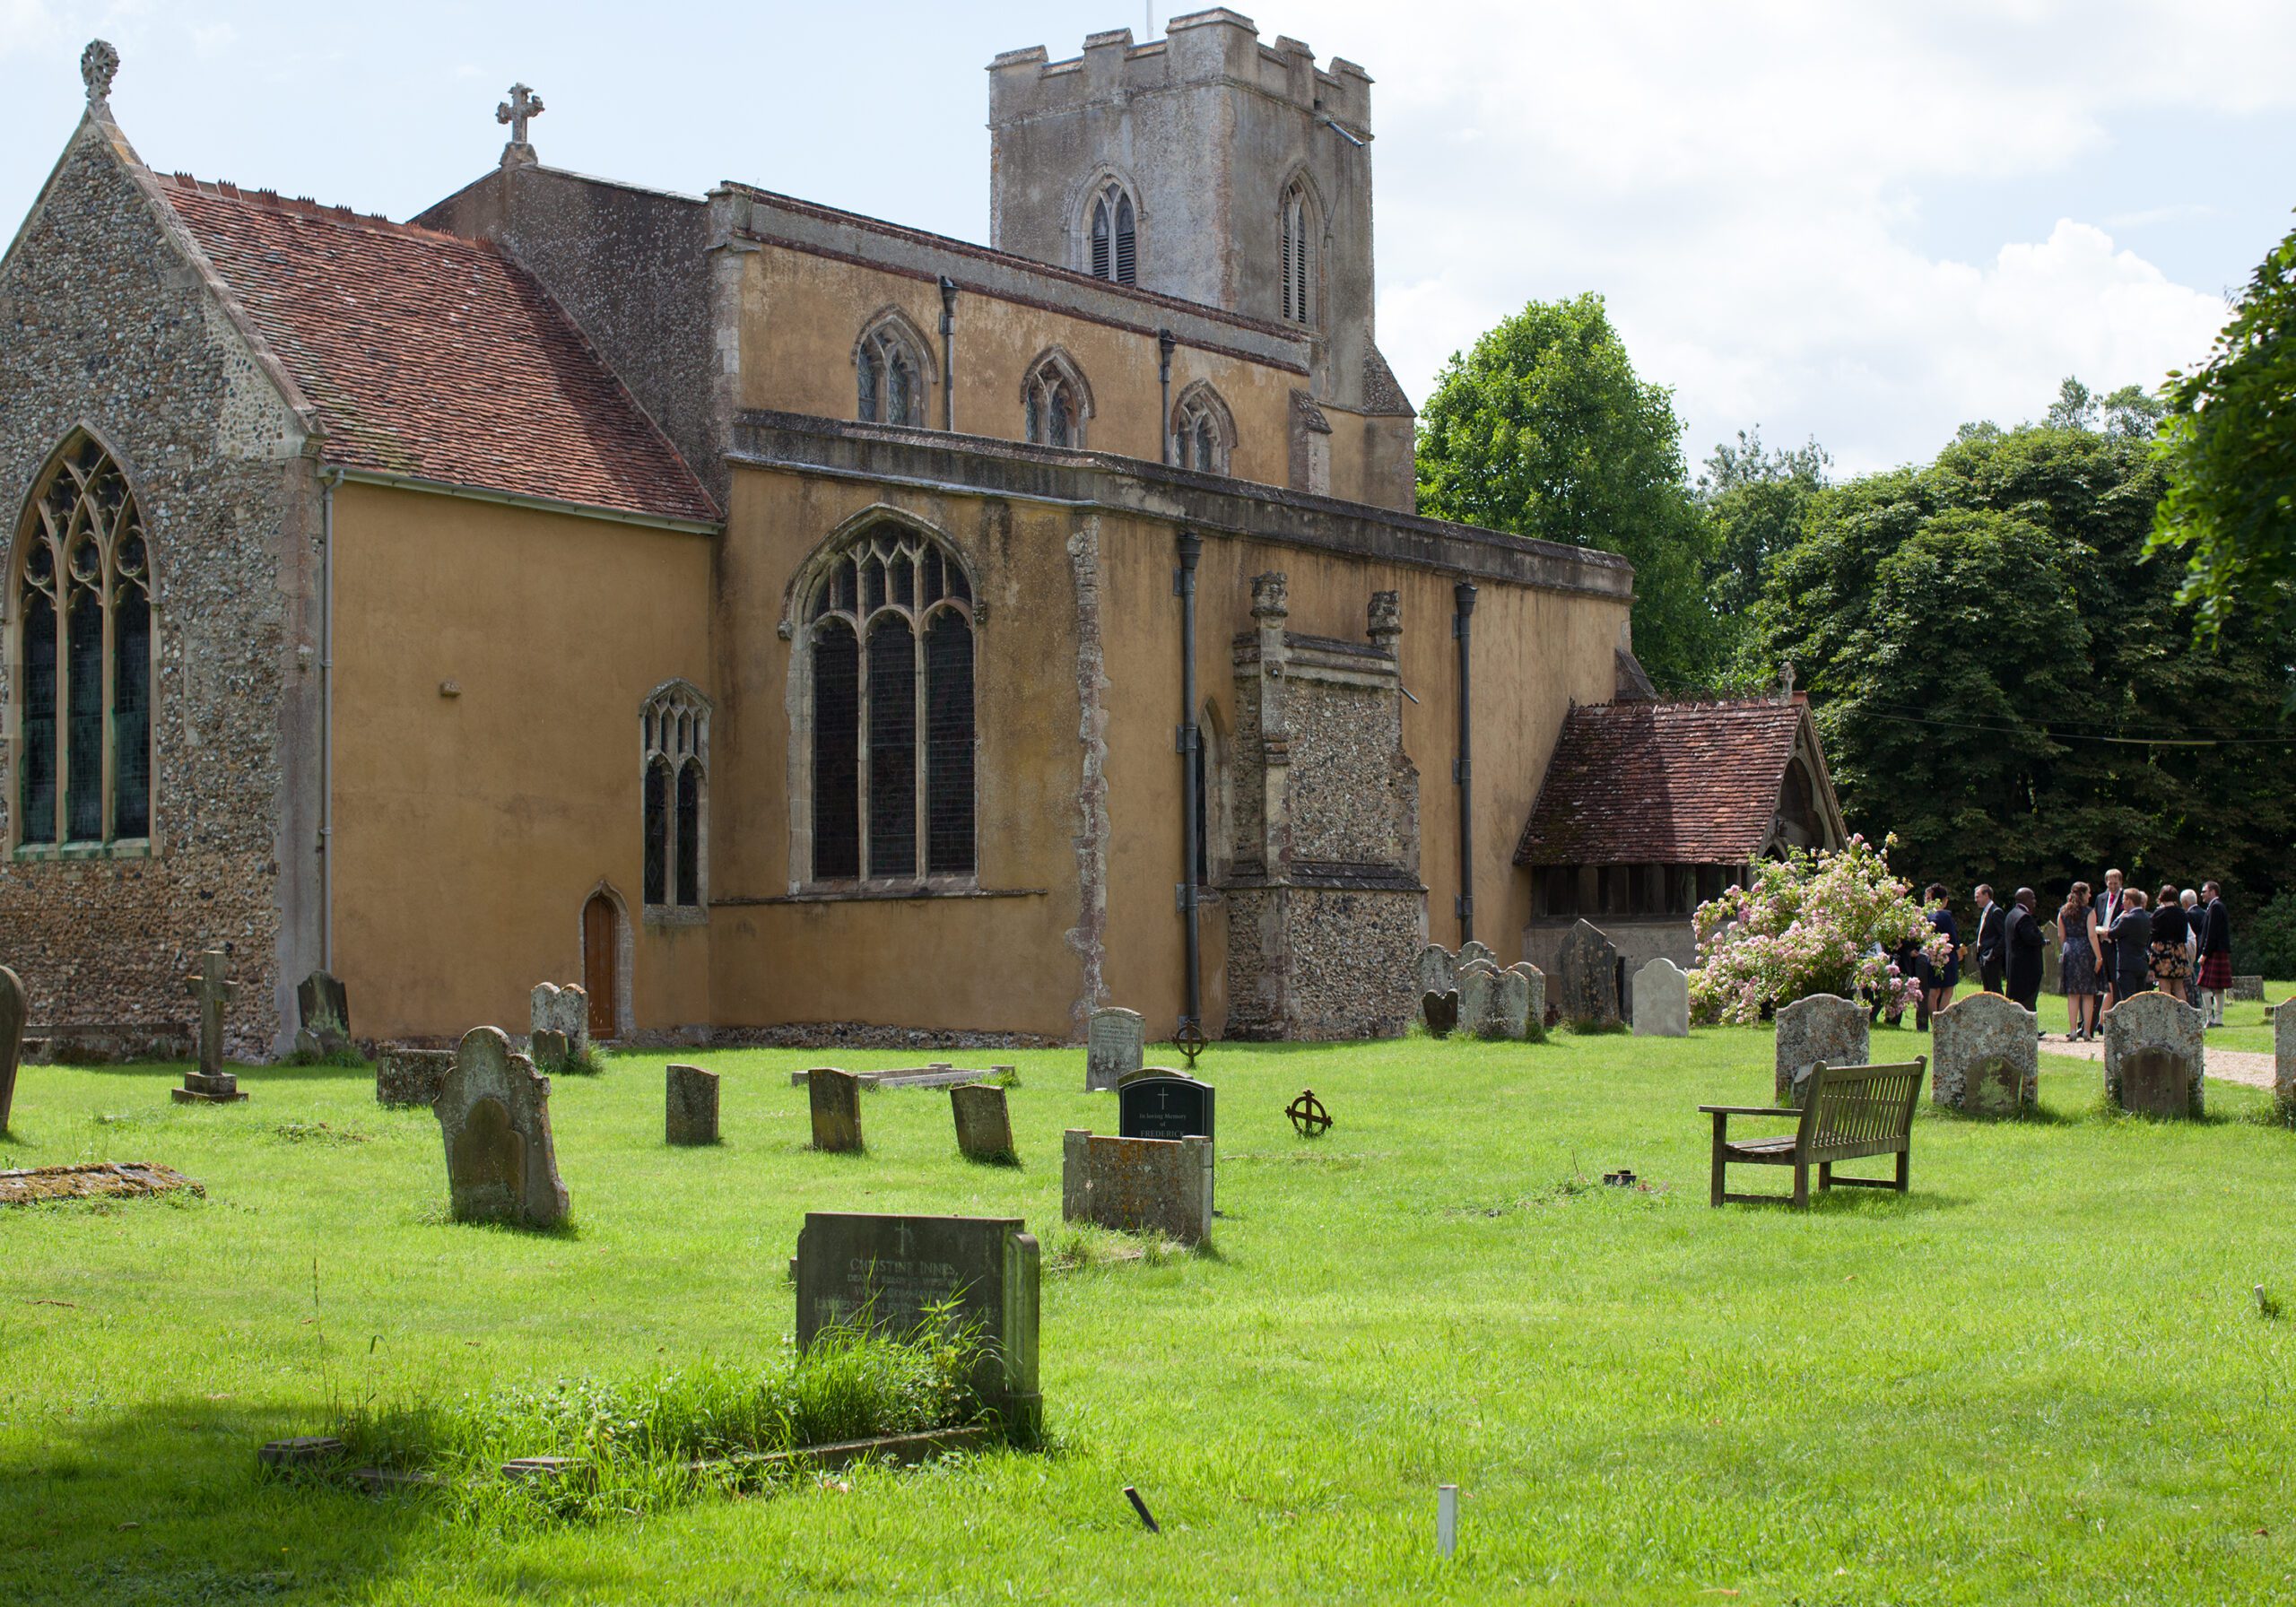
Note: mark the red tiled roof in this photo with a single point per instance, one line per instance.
(1681, 783)
(435, 357)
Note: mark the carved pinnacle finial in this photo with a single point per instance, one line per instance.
(98, 64)
(523, 105)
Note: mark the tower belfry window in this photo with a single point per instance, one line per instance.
(1115, 236)
(1297, 219)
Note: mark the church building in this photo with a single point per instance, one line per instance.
(794, 626)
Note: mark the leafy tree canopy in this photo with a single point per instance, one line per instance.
(1753, 498)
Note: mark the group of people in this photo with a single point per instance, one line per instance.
(2179, 944)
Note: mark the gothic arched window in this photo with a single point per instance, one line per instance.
(1204, 431)
(1053, 402)
(1112, 236)
(890, 372)
(1297, 217)
(674, 731)
(85, 610)
(888, 624)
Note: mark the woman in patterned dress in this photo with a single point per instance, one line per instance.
(2169, 966)
(2080, 961)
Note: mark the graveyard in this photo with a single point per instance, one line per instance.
(2052, 1369)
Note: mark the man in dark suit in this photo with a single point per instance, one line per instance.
(1992, 940)
(2215, 953)
(2026, 943)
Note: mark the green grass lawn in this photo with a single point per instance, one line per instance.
(2040, 1377)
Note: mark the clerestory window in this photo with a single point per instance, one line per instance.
(890, 631)
(1113, 237)
(1204, 431)
(890, 374)
(674, 728)
(1053, 402)
(83, 757)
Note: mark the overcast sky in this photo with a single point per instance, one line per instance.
(1864, 223)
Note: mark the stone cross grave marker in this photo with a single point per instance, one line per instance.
(1662, 1000)
(493, 1113)
(325, 1006)
(1986, 1056)
(1478, 997)
(2155, 1063)
(1585, 969)
(1113, 1047)
(1138, 1184)
(1435, 970)
(1823, 1027)
(13, 1010)
(213, 987)
(835, 1098)
(411, 1076)
(690, 1106)
(984, 1124)
(891, 1271)
(2283, 1055)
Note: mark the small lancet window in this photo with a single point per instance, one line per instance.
(1115, 236)
(675, 728)
(886, 367)
(1202, 430)
(1052, 408)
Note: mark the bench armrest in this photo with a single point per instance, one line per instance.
(1748, 1110)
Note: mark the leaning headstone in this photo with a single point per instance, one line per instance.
(554, 1009)
(1441, 1012)
(690, 1106)
(1435, 971)
(2248, 988)
(411, 1076)
(1138, 1184)
(1113, 1047)
(2052, 957)
(2283, 1057)
(2154, 1060)
(494, 1116)
(326, 1008)
(211, 985)
(1478, 997)
(1534, 999)
(1823, 1027)
(1986, 1056)
(1662, 1000)
(899, 1273)
(835, 1097)
(1587, 977)
(983, 1122)
(11, 1039)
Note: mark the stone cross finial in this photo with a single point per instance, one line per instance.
(523, 105)
(213, 988)
(1786, 681)
(98, 64)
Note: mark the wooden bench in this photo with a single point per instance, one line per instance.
(1852, 1111)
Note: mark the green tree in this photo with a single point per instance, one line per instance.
(1752, 498)
(2230, 442)
(1545, 430)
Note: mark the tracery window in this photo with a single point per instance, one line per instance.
(889, 628)
(1203, 431)
(85, 610)
(1053, 402)
(889, 372)
(1298, 218)
(1113, 237)
(674, 730)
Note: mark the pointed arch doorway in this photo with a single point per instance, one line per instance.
(601, 962)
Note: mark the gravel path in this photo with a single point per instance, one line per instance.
(2233, 1066)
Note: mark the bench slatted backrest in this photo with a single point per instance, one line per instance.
(1856, 1110)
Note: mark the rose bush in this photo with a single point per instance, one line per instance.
(1810, 924)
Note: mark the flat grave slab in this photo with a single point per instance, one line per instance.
(95, 1180)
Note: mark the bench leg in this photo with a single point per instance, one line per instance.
(1825, 1176)
(1905, 1168)
(1714, 1193)
(1801, 1186)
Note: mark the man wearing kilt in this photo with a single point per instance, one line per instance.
(2215, 953)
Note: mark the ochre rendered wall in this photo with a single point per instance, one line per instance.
(802, 313)
(470, 831)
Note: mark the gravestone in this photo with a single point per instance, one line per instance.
(690, 1106)
(211, 985)
(549, 1050)
(1435, 971)
(1441, 1012)
(1509, 1016)
(411, 1076)
(1585, 968)
(2248, 988)
(2052, 957)
(494, 1116)
(90, 1180)
(1112, 1047)
(326, 1008)
(1473, 949)
(898, 1273)
(552, 1008)
(2154, 1060)
(2283, 1057)
(983, 1122)
(1985, 1058)
(1478, 997)
(1823, 1027)
(836, 1099)
(1157, 1103)
(13, 1010)
(1535, 999)
(1661, 1000)
(1138, 1184)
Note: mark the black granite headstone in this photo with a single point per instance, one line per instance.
(1161, 1104)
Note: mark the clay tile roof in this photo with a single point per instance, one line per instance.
(435, 357)
(1647, 783)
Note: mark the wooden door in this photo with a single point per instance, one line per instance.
(600, 976)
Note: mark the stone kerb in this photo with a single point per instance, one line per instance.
(493, 1113)
(1138, 1184)
(13, 1010)
(1986, 1056)
(690, 1106)
(1821, 1027)
(2155, 1061)
(2283, 1057)
(1662, 1000)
